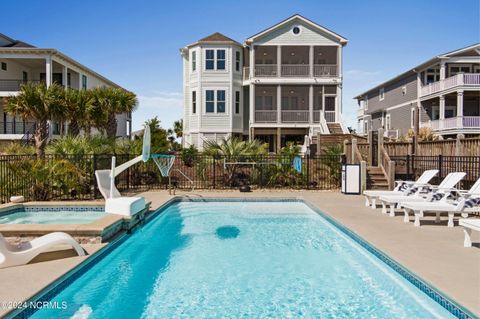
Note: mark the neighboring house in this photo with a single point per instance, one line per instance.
(445, 91)
(22, 63)
(283, 83)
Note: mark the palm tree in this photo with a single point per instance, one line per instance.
(78, 106)
(111, 101)
(38, 103)
(233, 149)
(178, 128)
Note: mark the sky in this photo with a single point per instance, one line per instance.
(136, 43)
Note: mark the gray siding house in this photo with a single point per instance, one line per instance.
(445, 91)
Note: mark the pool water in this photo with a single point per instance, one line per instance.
(241, 260)
(51, 217)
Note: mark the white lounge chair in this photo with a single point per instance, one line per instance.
(467, 204)
(468, 226)
(400, 187)
(440, 192)
(12, 255)
(114, 202)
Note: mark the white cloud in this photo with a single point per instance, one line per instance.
(167, 106)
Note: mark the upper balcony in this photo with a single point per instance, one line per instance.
(457, 80)
(293, 62)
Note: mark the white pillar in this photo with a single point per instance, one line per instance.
(442, 107)
(65, 76)
(310, 104)
(442, 70)
(279, 60)
(460, 103)
(311, 60)
(252, 61)
(48, 71)
(79, 81)
(279, 104)
(252, 108)
(338, 104)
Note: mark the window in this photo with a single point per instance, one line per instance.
(84, 82)
(194, 60)
(388, 122)
(296, 30)
(4, 66)
(412, 117)
(237, 61)
(209, 59)
(381, 94)
(237, 102)
(404, 90)
(210, 101)
(365, 104)
(194, 102)
(220, 59)
(221, 101)
(24, 76)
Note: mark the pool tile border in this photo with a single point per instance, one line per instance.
(63, 282)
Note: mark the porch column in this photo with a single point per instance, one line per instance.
(252, 61)
(79, 81)
(279, 139)
(442, 74)
(310, 104)
(442, 111)
(311, 60)
(65, 76)
(279, 104)
(459, 103)
(252, 108)
(48, 71)
(279, 60)
(338, 103)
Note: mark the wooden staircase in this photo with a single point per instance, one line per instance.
(376, 179)
(335, 128)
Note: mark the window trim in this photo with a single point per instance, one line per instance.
(237, 60)
(194, 102)
(404, 90)
(388, 122)
(381, 94)
(215, 101)
(215, 69)
(237, 102)
(217, 59)
(412, 117)
(194, 61)
(84, 82)
(4, 66)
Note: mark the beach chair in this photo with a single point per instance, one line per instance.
(16, 255)
(400, 188)
(414, 194)
(469, 225)
(468, 203)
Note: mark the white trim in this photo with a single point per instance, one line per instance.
(400, 105)
(404, 90)
(215, 101)
(412, 117)
(299, 28)
(388, 122)
(215, 61)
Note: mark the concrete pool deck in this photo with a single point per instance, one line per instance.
(433, 252)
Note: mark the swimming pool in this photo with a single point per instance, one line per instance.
(49, 215)
(241, 259)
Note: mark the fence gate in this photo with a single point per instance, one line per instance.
(374, 148)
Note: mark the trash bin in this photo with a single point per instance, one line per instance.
(351, 179)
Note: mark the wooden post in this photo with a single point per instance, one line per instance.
(370, 141)
(319, 143)
(459, 145)
(345, 149)
(380, 146)
(363, 176)
(391, 177)
(279, 139)
(354, 147)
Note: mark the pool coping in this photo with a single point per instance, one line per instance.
(49, 292)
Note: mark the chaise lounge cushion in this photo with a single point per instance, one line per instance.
(126, 206)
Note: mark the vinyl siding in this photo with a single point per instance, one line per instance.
(285, 36)
(393, 94)
(401, 118)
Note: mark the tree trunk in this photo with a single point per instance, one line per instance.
(41, 138)
(73, 128)
(112, 126)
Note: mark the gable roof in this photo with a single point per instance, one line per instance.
(298, 17)
(216, 37)
(421, 66)
(12, 43)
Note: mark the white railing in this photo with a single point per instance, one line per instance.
(246, 73)
(325, 70)
(295, 116)
(295, 70)
(265, 70)
(317, 116)
(330, 116)
(450, 82)
(457, 122)
(269, 116)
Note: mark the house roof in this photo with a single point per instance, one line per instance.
(216, 37)
(298, 17)
(12, 43)
(421, 66)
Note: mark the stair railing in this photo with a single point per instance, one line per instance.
(357, 158)
(388, 166)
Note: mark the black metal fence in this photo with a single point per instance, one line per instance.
(411, 166)
(64, 177)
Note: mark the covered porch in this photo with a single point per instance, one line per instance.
(458, 111)
(276, 138)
